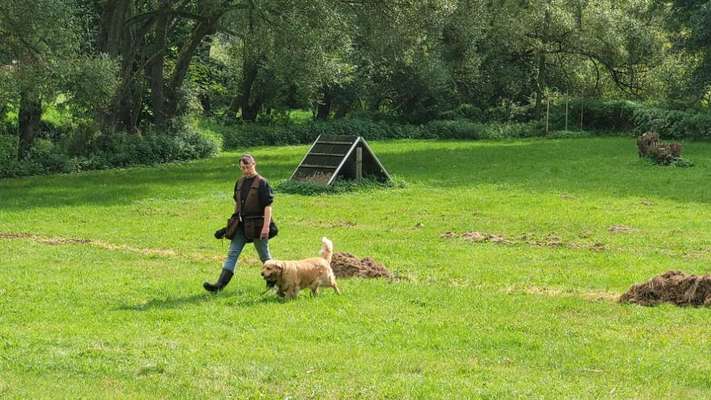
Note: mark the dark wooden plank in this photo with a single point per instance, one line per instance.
(318, 166)
(327, 154)
(332, 142)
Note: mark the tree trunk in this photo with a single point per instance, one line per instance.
(29, 117)
(203, 54)
(119, 38)
(323, 109)
(250, 111)
(208, 26)
(233, 109)
(540, 83)
(205, 103)
(110, 37)
(541, 76)
(342, 110)
(249, 106)
(156, 65)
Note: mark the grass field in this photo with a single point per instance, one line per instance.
(101, 273)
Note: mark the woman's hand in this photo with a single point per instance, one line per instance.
(265, 232)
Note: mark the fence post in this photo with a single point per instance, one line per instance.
(359, 162)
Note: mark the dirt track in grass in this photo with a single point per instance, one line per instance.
(58, 241)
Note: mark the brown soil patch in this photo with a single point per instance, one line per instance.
(593, 295)
(346, 265)
(476, 237)
(337, 224)
(598, 247)
(696, 254)
(549, 240)
(56, 241)
(620, 229)
(41, 239)
(671, 287)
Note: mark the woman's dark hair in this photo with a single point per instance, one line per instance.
(247, 159)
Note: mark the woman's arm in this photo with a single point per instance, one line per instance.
(267, 220)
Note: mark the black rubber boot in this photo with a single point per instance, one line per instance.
(225, 278)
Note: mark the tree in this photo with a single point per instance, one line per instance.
(39, 50)
(142, 35)
(567, 46)
(690, 20)
(412, 57)
(284, 53)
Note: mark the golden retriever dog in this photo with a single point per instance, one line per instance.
(291, 276)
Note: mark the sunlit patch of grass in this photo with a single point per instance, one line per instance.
(300, 116)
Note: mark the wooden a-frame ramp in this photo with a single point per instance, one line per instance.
(346, 157)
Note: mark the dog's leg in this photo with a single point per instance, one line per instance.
(332, 283)
(291, 292)
(314, 290)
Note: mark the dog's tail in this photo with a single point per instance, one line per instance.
(326, 249)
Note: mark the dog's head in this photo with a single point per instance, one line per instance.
(271, 270)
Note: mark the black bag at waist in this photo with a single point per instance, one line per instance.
(251, 226)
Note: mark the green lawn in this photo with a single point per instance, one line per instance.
(105, 301)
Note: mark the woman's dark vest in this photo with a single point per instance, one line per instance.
(251, 207)
(251, 213)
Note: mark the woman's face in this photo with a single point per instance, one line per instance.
(248, 168)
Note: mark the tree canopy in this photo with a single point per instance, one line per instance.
(133, 65)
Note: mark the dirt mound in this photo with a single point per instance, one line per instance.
(671, 287)
(346, 265)
(649, 146)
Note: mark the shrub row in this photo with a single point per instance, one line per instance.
(102, 152)
(671, 124)
(624, 115)
(245, 135)
(597, 116)
(616, 115)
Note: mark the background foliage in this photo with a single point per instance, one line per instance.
(81, 72)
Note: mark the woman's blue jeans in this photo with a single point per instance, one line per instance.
(236, 247)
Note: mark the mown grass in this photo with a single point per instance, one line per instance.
(124, 315)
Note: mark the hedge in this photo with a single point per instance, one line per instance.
(247, 135)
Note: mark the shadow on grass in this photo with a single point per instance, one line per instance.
(124, 186)
(600, 166)
(195, 299)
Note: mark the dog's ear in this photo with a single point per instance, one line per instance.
(273, 264)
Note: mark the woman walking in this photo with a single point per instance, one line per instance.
(253, 209)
